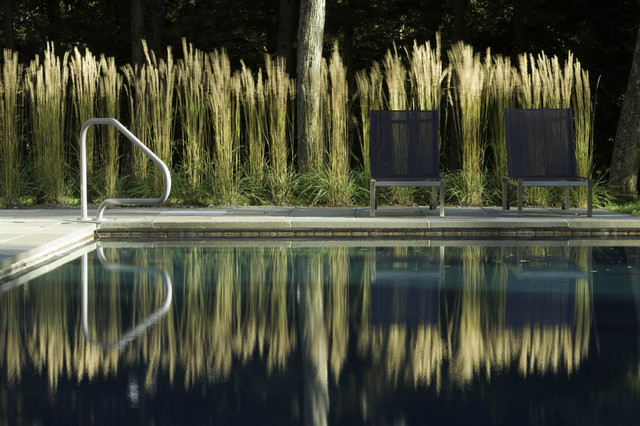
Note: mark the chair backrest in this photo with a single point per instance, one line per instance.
(404, 145)
(540, 143)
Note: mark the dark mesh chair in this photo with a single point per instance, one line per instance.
(404, 151)
(541, 153)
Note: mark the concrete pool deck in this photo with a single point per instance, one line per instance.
(29, 237)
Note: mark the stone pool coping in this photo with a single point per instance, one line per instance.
(35, 236)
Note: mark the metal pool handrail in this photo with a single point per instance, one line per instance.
(117, 201)
(139, 328)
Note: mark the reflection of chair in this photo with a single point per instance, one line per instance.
(405, 289)
(542, 289)
(541, 153)
(404, 151)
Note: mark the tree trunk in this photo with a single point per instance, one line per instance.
(9, 32)
(310, 36)
(137, 30)
(625, 160)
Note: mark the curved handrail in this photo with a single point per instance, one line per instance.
(117, 201)
(139, 328)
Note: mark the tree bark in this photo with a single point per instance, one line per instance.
(310, 37)
(625, 160)
(137, 31)
(9, 32)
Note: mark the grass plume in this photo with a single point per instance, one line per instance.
(192, 107)
(46, 85)
(10, 122)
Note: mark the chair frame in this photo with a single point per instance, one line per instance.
(426, 182)
(565, 182)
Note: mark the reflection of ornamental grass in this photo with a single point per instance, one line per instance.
(426, 353)
(583, 311)
(213, 324)
(46, 85)
(13, 340)
(256, 302)
(279, 325)
(338, 309)
(11, 129)
(468, 351)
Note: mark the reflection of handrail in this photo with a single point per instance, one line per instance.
(134, 332)
(117, 201)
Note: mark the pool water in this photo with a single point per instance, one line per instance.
(408, 335)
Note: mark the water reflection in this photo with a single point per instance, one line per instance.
(125, 338)
(423, 317)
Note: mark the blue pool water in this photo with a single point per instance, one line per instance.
(409, 335)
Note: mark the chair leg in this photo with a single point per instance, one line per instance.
(520, 193)
(372, 198)
(505, 185)
(442, 198)
(589, 197)
(567, 198)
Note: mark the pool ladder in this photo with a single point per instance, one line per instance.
(117, 201)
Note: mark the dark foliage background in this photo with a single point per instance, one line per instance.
(600, 33)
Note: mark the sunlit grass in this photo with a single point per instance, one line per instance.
(235, 127)
(11, 118)
(46, 84)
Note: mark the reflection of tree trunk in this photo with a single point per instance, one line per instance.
(315, 346)
(137, 28)
(9, 34)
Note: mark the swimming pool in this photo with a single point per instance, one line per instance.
(416, 333)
